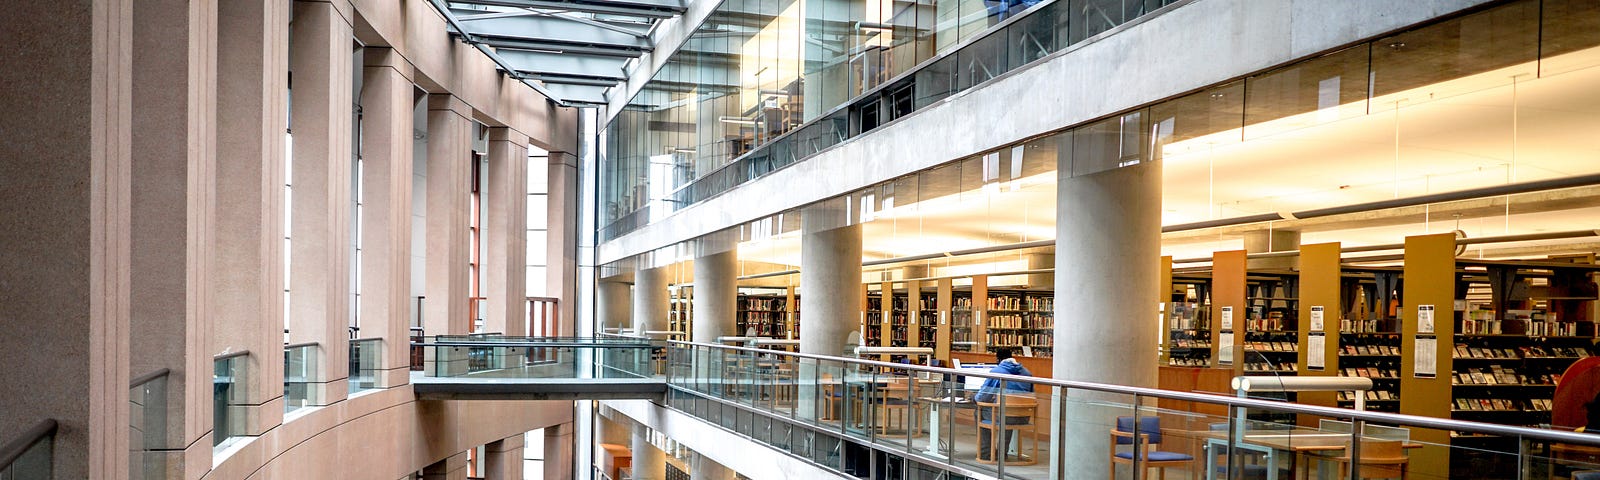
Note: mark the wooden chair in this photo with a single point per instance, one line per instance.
(1379, 459)
(893, 400)
(1020, 406)
(1148, 437)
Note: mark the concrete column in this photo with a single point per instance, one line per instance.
(704, 468)
(651, 300)
(252, 114)
(612, 302)
(830, 281)
(386, 157)
(64, 203)
(561, 274)
(321, 207)
(448, 241)
(716, 291)
(649, 462)
(502, 459)
(507, 229)
(1107, 283)
(173, 196)
(453, 467)
(559, 461)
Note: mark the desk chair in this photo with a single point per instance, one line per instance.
(1148, 437)
(1017, 406)
(1379, 459)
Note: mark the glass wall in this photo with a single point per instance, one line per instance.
(764, 83)
(1357, 125)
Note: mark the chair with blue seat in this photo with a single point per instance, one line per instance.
(1147, 438)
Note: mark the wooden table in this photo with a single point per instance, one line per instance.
(1296, 442)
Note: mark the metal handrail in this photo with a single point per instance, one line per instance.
(300, 345)
(1235, 402)
(225, 356)
(142, 379)
(538, 344)
(368, 339)
(11, 451)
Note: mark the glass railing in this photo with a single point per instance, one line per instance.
(301, 386)
(365, 356)
(28, 455)
(147, 420)
(975, 423)
(229, 386)
(499, 356)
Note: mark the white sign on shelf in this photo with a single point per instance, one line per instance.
(1316, 318)
(1424, 318)
(1225, 348)
(1227, 318)
(1316, 348)
(1427, 361)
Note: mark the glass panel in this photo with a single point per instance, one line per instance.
(1034, 36)
(1111, 143)
(1322, 90)
(1091, 17)
(228, 381)
(1445, 59)
(1570, 35)
(981, 61)
(365, 356)
(148, 446)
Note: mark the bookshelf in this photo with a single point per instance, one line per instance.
(1374, 355)
(963, 322)
(1019, 319)
(1189, 324)
(680, 312)
(768, 312)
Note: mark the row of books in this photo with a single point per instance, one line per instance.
(1189, 362)
(1030, 303)
(1367, 326)
(1190, 343)
(1022, 321)
(1369, 350)
(1254, 367)
(1503, 405)
(1472, 326)
(1369, 372)
(1527, 351)
(1020, 339)
(763, 304)
(1371, 396)
(1270, 346)
(1497, 375)
(1553, 329)
(1270, 324)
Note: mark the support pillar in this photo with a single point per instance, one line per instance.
(502, 459)
(64, 200)
(651, 300)
(1106, 290)
(386, 158)
(561, 251)
(716, 291)
(173, 197)
(453, 467)
(704, 468)
(830, 280)
(320, 286)
(649, 462)
(448, 242)
(612, 301)
(507, 260)
(558, 457)
(247, 285)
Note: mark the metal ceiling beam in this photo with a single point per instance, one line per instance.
(553, 30)
(656, 9)
(560, 48)
(566, 64)
(578, 93)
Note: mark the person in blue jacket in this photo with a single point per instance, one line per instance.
(990, 393)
